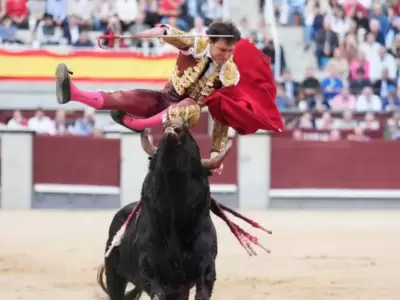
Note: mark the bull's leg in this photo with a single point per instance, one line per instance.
(205, 284)
(116, 284)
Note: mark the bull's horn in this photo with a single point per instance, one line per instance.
(147, 145)
(215, 162)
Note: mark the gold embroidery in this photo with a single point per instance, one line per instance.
(182, 43)
(190, 114)
(229, 73)
(190, 76)
(200, 46)
(219, 136)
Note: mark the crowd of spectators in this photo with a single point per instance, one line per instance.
(356, 44)
(42, 124)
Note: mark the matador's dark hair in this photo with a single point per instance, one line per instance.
(224, 28)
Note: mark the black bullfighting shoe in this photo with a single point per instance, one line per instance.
(118, 117)
(63, 88)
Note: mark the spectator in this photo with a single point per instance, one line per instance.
(282, 100)
(72, 29)
(290, 86)
(370, 48)
(391, 102)
(297, 135)
(346, 122)
(269, 49)
(84, 41)
(349, 47)
(244, 28)
(358, 135)
(85, 125)
(334, 135)
(331, 84)
(140, 26)
(340, 63)
(58, 9)
(359, 82)
(394, 48)
(48, 33)
(343, 101)
(393, 32)
(103, 10)
(310, 83)
(199, 28)
(17, 121)
(326, 41)
(17, 11)
(370, 123)
(359, 63)
(150, 10)
(340, 23)
(384, 24)
(8, 32)
(368, 102)
(83, 10)
(126, 11)
(381, 86)
(318, 102)
(60, 124)
(41, 124)
(325, 122)
(306, 121)
(385, 60)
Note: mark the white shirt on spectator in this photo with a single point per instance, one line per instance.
(57, 8)
(81, 8)
(373, 104)
(126, 10)
(43, 125)
(378, 64)
(370, 51)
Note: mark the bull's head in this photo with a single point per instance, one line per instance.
(177, 123)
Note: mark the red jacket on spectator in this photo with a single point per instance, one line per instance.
(169, 7)
(17, 8)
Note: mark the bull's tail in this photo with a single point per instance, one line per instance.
(133, 294)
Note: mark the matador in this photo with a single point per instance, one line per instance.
(228, 74)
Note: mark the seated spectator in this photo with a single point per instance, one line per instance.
(290, 86)
(335, 135)
(393, 32)
(103, 11)
(326, 41)
(381, 86)
(310, 84)
(114, 26)
(282, 100)
(47, 32)
(384, 61)
(349, 47)
(394, 49)
(375, 28)
(370, 48)
(17, 11)
(199, 28)
(318, 102)
(85, 125)
(331, 84)
(359, 63)
(84, 41)
(340, 23)
(305, 121)
(84, 10)
(72, 29)
(393, 125)
(126, 11)
(150, 10)
(314, 20)
(244, 28)
(325, 122)
(17, 121)
(359, 82)
(370, 122)
(61, 125)
(340, 63)
(384, 25)
(8, 32)
(347, 121)
(361, 20)
(343, 101)
(358, 135)
(297, 135)
(269, 49)
(368, 102)
(58, 9)
(41, 124)
(144, 44)
(260, 34)
(392, 101)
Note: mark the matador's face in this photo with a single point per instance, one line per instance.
(220, 51)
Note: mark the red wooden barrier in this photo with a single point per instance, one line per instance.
(342, 164)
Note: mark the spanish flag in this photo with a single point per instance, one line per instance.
(86, 65)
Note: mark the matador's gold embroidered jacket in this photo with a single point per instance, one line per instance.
(185, 77)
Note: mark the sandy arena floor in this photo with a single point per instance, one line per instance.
(315, 256)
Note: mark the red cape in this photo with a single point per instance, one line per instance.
(250, 105)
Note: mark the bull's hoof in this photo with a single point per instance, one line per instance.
(63, 89)
(118, 117)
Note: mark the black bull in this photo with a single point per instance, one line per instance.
(172, 244)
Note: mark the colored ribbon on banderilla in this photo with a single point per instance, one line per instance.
(245, 239)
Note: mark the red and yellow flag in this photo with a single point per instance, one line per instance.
(86, 65)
